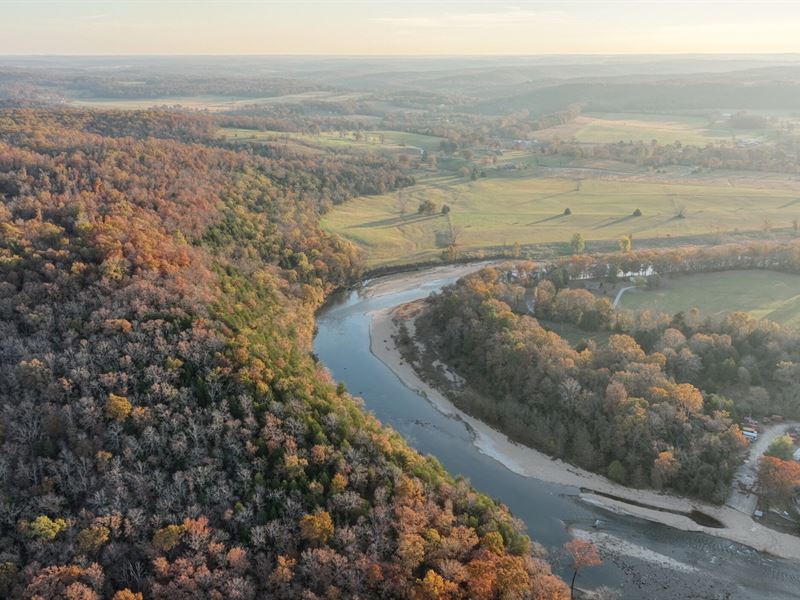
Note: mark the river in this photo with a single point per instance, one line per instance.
(642, 559)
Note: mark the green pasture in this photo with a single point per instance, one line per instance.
(503, 209)
(763, 294)
(395, 142)
(666, 129)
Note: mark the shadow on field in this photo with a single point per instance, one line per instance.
(548, 197)
(396, 221)
(613, 222)
(546, 219)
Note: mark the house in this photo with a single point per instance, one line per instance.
(796, 455)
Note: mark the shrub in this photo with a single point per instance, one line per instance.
(617, 472)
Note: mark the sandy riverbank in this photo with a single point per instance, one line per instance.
(738, 527)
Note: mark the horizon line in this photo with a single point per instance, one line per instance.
(397, 55)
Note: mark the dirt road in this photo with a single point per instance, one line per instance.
(743, 497)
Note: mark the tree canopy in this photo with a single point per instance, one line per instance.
(165, 431)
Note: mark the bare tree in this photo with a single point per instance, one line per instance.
(402, 202)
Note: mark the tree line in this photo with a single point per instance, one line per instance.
(781, 156)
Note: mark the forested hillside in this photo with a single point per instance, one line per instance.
(656, 405)
(164, 431)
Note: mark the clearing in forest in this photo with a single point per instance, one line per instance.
(763, 294)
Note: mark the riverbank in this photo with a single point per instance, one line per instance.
(429, 277)
(650, 505)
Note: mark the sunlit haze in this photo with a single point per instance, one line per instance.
(410, 27)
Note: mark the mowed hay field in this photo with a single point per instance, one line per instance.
(213, 103)
(666, 129)
(763, 294)
(394, 142)
(499, 211)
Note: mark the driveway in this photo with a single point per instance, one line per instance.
(622, 291)
(743, 497)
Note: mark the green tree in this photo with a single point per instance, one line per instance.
(781, 447)
(426, 207)
(92, 539)
(168, 537)
(617, 472)
(8, 576)
(45, 528)
(578, 244)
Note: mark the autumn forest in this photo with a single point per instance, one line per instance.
(428, 328)
(165, 432)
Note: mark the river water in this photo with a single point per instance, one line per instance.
(642, 559)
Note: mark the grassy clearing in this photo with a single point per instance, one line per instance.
(210, 102)
(393, 142)
(666, 129)
(763, 294)
(574, 335)
(502, 210)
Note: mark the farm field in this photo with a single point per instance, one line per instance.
(212, 103)
(502, 210)
(615, 127)
(763, 294)
(375, 141)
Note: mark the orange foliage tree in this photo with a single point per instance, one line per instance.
(583, 553)
(778, 479)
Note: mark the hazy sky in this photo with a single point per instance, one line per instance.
(397, 27)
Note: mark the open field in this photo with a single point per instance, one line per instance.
(574, 334)
(394, 142)
(763, 294)
(615, 127)
(212, 103)
(501, 210)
